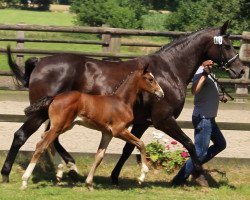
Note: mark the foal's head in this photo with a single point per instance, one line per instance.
(148, 83)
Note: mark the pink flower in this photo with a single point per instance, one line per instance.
(184, 154)
(174, 142)
(167, 147)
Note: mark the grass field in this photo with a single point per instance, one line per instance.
(11, 16)
(234, 185)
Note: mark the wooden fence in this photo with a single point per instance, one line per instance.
(110, 41)
(183, 124)
(111, 45)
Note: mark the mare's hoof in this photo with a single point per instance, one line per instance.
(198, 169)
(114, 181)
(73, 175)
(5, 179)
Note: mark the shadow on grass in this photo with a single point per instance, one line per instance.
(45, 171)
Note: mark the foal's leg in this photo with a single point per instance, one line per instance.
(106, 138)
(40, 148)
(30, 125)
(67, 158)
(137, 130)
(129, 137)
(57, 149)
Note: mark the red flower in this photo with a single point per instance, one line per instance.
(174, 142)
(184, 154)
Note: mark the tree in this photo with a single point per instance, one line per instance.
(116, 13)
(195, 14)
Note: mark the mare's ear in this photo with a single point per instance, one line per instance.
(145, 69)
(223, 29)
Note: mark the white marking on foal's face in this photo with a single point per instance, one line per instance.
(151, 75)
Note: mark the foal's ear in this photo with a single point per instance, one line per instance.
(145, 69)
(223, 29)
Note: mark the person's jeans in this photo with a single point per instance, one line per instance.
(205, 129)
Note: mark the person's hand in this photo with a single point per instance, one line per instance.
(207, 65)
(223, 99)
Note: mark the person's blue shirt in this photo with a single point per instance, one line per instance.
(206, 101)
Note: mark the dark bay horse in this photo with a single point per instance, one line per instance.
(110, 114)
(173, 67)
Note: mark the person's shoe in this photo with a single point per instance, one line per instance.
(178, 182)
(201, 180)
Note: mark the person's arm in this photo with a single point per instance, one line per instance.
(197, 85)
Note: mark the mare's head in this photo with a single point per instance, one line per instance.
(221, 51)
(148, 83)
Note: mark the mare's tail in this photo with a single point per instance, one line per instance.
(30, 64)
(41, 105)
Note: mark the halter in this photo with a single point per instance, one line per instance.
(218, 40)
(224, 63)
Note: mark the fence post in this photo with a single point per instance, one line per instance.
(244, 55)
(20, 45)
(106, 39)
(113, 41)
(115, 44)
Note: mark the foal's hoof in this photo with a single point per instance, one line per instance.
(90, 187)
(5, 179)
(24, 185)
(58, 179)
(140, 181)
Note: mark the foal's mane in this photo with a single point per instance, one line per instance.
(122, 81)
(140, 63)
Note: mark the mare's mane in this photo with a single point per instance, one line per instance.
(183, 40)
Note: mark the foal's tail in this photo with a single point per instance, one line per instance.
(41, 105)
(30, 64)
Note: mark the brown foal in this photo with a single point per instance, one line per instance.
(110, 114)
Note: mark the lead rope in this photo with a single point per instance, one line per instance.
(223, 90)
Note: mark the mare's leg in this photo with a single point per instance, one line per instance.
(40, 148)
(170, 127)
(129, 137)
(137, 130)
(30, 125)
(106, 138)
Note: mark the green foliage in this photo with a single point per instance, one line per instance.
(41, 4)
(163, 4)
(192, 15)
(116, 13)
(154, 21)
(163, 157)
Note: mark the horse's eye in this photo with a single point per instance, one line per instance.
(227, 47)
(151, 80)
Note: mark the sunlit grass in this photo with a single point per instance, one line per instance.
(235, 184)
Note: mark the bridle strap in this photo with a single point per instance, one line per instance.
(231, 60)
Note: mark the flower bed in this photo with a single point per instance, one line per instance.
(165, 154)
